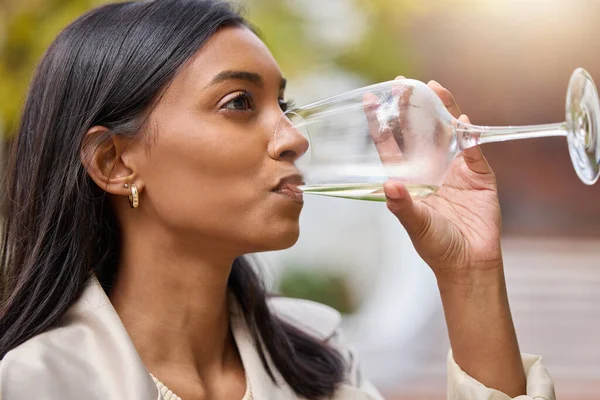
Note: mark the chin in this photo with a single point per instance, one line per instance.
(281, 241)
(287, 242)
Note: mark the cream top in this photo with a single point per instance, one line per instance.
(167, 394)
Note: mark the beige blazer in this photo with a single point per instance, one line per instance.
(90, 356)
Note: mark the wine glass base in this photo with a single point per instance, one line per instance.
(583, 125)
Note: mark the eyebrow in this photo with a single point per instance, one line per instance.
(251, 77)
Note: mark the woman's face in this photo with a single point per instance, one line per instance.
(213, 171)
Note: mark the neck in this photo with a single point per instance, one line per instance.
(173, 301)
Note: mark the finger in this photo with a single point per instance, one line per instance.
(383, 135)
(446, 97)
(473, 156)
(403, 132)
(413, 216)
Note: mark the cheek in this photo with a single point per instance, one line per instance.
(216, 184)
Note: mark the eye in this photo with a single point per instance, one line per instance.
(286, 105)
(241, 102)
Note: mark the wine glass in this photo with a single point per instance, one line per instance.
(401, 130)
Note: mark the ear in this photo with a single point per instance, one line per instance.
(101, 155)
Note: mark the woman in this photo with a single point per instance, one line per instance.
(144, 172)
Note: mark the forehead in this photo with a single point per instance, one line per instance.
(234, 49)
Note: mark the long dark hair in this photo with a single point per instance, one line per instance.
(107, 68)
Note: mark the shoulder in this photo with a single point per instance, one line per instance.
(318, 320)
(42, 360)
(87, 355)
(49, 356)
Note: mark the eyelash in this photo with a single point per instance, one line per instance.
(249, 104)
(247, 97)
(287, 105)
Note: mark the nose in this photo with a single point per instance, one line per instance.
(288, 142)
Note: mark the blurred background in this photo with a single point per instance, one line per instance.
(507, 63)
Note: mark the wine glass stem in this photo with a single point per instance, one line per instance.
(472, 135)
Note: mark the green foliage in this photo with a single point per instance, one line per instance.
(322, 286)
(282, 30)
(28, 27)
(383, 52)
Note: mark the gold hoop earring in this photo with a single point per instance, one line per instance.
(134, 197)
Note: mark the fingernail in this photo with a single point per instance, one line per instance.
(392, 192)
(435, 83)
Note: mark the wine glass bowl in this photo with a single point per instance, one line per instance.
(358, 140)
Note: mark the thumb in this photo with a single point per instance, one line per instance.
(473, 156)
(413, 216)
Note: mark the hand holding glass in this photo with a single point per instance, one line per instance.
(401, 130)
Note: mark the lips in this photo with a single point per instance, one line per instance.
(288, 187)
